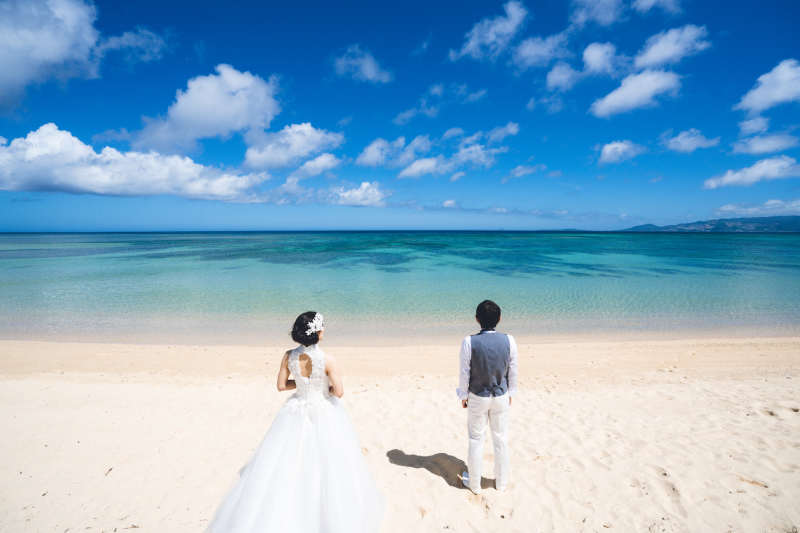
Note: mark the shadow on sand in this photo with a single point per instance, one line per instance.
(445, 466)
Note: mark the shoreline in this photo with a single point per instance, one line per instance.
(404, 335)
(590, 359)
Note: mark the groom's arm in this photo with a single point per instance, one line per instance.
(464, 361)
(512, 369)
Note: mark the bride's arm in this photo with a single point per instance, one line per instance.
(284, 383)
(332, 369)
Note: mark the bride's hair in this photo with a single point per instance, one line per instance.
(300, 329)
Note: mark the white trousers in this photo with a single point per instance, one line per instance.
(495, 409)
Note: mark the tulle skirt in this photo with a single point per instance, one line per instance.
(307, 475)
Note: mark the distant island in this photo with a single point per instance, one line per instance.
(788, 224)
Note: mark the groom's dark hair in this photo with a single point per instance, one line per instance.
(488, 314)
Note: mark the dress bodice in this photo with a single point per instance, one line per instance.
(315, 387)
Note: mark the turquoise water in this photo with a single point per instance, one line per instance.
(395, 288)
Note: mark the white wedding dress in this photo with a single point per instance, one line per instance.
(308, 474)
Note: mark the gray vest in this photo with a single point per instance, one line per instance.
(488, 370)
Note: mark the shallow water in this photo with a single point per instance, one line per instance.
(395, 287)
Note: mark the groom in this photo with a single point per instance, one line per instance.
(487, 380)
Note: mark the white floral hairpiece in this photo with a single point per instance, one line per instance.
(315, 325)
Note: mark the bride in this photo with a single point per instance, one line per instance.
(308, 474)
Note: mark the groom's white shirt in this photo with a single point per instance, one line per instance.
(465, 358)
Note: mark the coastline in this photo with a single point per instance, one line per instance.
(373, 333)
(679, 435)
(594, 359)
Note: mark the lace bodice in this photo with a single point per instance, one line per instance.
(314, 388)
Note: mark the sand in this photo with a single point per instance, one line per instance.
(691, 435)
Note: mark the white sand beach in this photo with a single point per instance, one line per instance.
(667, 436)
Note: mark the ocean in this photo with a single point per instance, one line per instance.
(395, 288)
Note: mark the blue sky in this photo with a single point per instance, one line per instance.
(546, 114)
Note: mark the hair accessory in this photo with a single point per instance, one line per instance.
(315, 325)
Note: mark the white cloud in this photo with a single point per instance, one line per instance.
(669, 47)
(377, 152)
(470, 152)
(367, 195)
(291, 192)
(420, 167)
(637, 90)
(424, 107)
(405, 116)
(288, 193)
(553, 103)
(50, 159)
(600, 58)
(361, 66)
(452, 132)
(618, 151)
(216, 105)
(121, 135)
(768, 208)
(562, 77)
(670, 6)
(437, 97)
(753, 125)
(765, 144)
(474, 97)
(449, 203)
(490, 37)
(603, 12)
(318, 165)
(289, 145)
(44, 39)
(539, 52)
(420, 144)
(688, 141)
(475, 154)
(501, 132)
(463, 94)
(457, 176)
(437, 89)
(780, 85)
(777, 167)
(522, 170)
(140, 45)
(423, 47)
(381, 152)
(56, 39)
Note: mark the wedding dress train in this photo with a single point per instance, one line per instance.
(308, 474)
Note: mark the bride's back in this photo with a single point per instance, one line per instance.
(307, 365)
